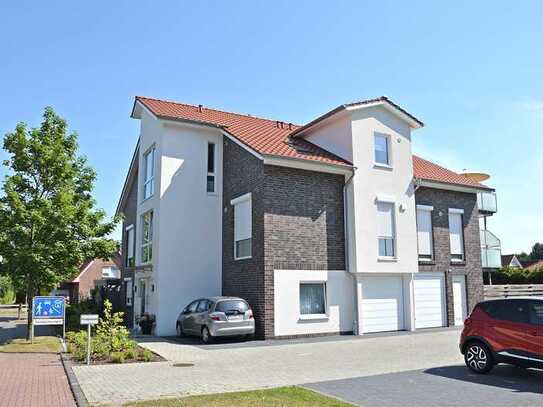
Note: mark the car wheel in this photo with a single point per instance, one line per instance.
(478, 357)
(206, 336)
(179, 330)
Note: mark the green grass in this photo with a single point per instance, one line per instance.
(42, 344)
(280, 397)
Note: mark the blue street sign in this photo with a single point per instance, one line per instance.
(48, 307)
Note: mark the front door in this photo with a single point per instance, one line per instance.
(459, 299)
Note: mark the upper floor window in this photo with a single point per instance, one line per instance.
(456, 234)
(424, 232)
(130, 246)
(210, 182)
(149, 173)
(110, 272)
(147, 237)
(382, 149)
(385, 229)
(242, 226)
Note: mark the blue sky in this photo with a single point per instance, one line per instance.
(472, 71)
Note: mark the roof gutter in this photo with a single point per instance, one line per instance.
(451, 186)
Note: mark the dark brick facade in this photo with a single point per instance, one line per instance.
(297, 224)
(442, 200)
(130, 218)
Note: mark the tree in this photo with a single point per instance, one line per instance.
(47, 213)
(537, 252)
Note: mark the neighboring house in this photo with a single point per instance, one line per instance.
(329, 227)
(511, 260)
(90, 273)
(532, 264)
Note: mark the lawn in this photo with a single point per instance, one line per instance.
(280, 397)
(42, 344)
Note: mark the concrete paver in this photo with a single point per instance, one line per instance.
(451, 386)
(246, 368)
(33, 380)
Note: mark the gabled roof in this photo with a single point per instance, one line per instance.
(275, 138)
(506, 259)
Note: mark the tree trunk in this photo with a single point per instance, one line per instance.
(29, 296)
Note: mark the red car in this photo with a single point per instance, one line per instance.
(504, 331)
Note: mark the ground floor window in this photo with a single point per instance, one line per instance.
(312, 298)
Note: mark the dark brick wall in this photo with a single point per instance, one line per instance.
(243, 173)
(441, 201)
(130, 218)
(303, 226)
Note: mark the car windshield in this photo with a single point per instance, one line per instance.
(232, 307)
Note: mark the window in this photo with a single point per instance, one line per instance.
(456, 234)
(382, 149)
(149, 173)
(385, 229)
(232, 306)
(312, 298)
(210, 167)
(424, 232)
(536, 312)
(242, 226)
(203, 306)
(147, 237)
(129, 289)
(110, 272)
(130, 246)
(507, 310)
(191, 307)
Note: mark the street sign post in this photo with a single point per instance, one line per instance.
(48, 310)
(89, 320)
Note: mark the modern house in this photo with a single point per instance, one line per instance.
(330, 227)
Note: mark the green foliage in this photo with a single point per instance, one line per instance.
(74, 311)
(48, 221)
(131, 354)
(111, 338)
(117, 357)
(7, 292)
(511, 275)
(537, 251)
(146, 355)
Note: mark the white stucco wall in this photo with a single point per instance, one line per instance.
(190, 254)
(334, 135)
(340, 300)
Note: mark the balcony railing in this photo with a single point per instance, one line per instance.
(491, 252)
(487, 203)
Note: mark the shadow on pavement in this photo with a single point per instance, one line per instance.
(503, 376)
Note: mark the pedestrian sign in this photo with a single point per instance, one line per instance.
(48, 310)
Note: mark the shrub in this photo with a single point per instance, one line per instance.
(77, 344)
(146, 355)
(111, 328)
(117, 357)
(511, 275)
(131, 354)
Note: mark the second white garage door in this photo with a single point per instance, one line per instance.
(382, 304)
(429, 300)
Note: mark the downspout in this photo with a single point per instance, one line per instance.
(346, 239)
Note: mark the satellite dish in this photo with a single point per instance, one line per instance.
(476, 176)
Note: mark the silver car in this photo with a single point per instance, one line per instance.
(216, 316)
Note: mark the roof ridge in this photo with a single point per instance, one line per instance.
(218, 110)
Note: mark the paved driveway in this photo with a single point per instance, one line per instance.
(218, 368)
(450, 386)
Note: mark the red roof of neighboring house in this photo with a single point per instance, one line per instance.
(271, 137)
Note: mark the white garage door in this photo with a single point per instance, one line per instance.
(429, 300)
(382, 304)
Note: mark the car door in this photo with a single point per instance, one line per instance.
(535, 331)
(200, 316)
(188, 320)
(508, 326)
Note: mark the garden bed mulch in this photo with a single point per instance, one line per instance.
(107, 361)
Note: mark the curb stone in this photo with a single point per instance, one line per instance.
(78, 394)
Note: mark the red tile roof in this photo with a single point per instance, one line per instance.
(271, 137)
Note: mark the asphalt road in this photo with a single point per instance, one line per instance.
(505, 386)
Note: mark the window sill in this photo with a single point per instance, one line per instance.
(313, 317)
(458, 263)
(387, 259)
(427, 263)
(382, 166)
(243, 258)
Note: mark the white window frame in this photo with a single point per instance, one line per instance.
(149, 182)
(392, 203)
(427, 209)
(129, 291)
(462, 241)
(313, 316)
(234, 202)
(388, 139)
(148, 243)
(213, 173)
(130, 248)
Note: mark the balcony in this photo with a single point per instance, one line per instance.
(491, 252)
(487, 203)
